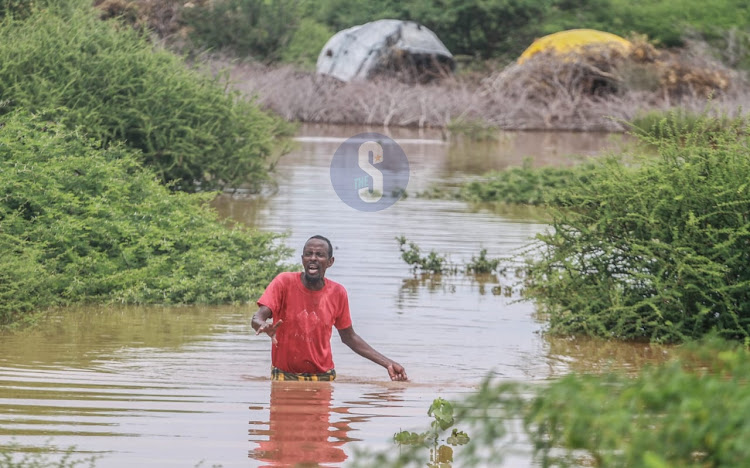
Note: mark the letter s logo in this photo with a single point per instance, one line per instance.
(369, 171)
(365, 194)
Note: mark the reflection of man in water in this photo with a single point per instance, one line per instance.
(305, 307)
(299, 429)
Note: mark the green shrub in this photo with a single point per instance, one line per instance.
(660, 124)
(689, 412)
(306, 43)
(82, 224)
(248, 28)
(433, 262)
(658, 251)
(525, 185)
(676, 414)
(112, 82)
(482, 264)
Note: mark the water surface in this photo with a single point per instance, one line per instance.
(157, 387)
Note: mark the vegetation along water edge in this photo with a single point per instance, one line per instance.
(687, 412)
(82, 223)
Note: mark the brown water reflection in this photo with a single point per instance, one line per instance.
(161, 387)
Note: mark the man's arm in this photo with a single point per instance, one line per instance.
(260, 324)
(350, 338)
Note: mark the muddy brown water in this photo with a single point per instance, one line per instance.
(183, 386)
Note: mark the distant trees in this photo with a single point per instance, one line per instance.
(499, 29)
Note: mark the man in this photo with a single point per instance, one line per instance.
(305, 307)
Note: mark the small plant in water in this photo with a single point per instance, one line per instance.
(432, 262)
(482, 264)
(441, 453)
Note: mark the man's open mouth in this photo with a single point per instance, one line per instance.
(312, 268)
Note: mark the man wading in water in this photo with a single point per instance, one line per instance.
(305, 307)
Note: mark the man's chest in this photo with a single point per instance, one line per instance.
(309, 313)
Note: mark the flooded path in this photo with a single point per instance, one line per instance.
(160, 387)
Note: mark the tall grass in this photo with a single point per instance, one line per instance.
(109, 80)
(83, 224)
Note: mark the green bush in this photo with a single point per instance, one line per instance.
(525, 185)
(660, 124)
(689, 412)
(482, 264)
(248, 28)
(433, 262)
(657, 251)
(111, 81)
(306, 43)
(83, 224)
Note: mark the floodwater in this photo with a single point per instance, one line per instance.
(187, 386)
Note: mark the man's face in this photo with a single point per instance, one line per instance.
(315, 259)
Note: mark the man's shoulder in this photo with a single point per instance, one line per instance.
(335, 286)
(286, 277)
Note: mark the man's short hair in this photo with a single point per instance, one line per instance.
(330, 246)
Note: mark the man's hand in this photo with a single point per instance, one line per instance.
(270, 330)
(396, 371)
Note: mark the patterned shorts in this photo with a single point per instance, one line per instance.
(278, 374)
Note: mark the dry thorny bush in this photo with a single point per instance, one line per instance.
(595, 90)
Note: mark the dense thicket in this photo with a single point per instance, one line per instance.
(659, 250)
(111, 81)
(79, 223)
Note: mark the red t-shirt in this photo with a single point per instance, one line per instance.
(304, 339)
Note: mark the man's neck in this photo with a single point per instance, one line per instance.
(314, 284)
